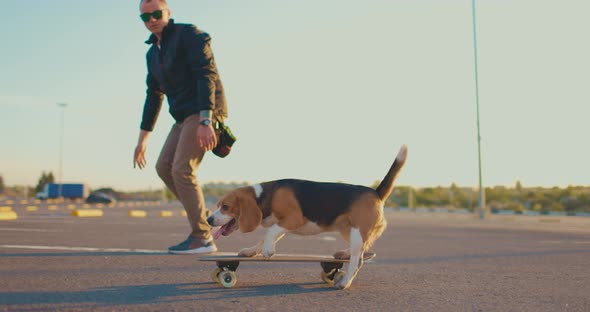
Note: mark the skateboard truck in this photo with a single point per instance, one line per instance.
(225, 272)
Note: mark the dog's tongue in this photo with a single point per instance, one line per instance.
(217, 233)
(221, 229)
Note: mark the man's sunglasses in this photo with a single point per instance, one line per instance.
(146, 16)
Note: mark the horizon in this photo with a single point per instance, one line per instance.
(328, 94)
(397, 185)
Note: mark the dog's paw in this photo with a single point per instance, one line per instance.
(247, 252)
(268, 252)
(342, 284)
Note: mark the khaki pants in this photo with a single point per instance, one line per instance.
(177, 165)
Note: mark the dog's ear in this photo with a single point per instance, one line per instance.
(250, 214)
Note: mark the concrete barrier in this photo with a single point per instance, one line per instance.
(11, 215)
(87, 213)
(137, 213)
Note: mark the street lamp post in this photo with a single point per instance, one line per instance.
(61, 145)
(482, 205)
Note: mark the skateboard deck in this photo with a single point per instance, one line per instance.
(227, 264)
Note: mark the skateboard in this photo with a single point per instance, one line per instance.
(227, 264)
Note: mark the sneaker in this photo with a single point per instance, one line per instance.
(193, 246)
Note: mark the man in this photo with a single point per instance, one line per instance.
(180, 64)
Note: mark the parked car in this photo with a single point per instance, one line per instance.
(100, 198)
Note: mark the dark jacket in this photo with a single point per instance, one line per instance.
(183, 69)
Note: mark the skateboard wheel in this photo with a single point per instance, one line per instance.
(215, 274)
(227, 278)
(328, 277)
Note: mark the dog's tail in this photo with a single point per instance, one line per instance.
(386, 185)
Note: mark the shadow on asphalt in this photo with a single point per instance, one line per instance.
(162, 293)
(204, 291)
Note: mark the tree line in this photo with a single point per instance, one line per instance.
(570, 199)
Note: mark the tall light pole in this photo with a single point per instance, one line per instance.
(482, 204)
(61, 146)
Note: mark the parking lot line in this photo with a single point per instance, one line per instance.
(28, 230)
(66, 248)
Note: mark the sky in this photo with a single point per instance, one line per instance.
(321, 90)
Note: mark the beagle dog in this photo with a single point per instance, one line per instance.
(308, 208)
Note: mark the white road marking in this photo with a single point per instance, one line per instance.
(28, 230)
(564, 242)
(46, 220)
(82, 249)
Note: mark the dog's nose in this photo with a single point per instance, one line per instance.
(210, 221)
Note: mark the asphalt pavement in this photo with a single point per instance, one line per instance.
(53, 261)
